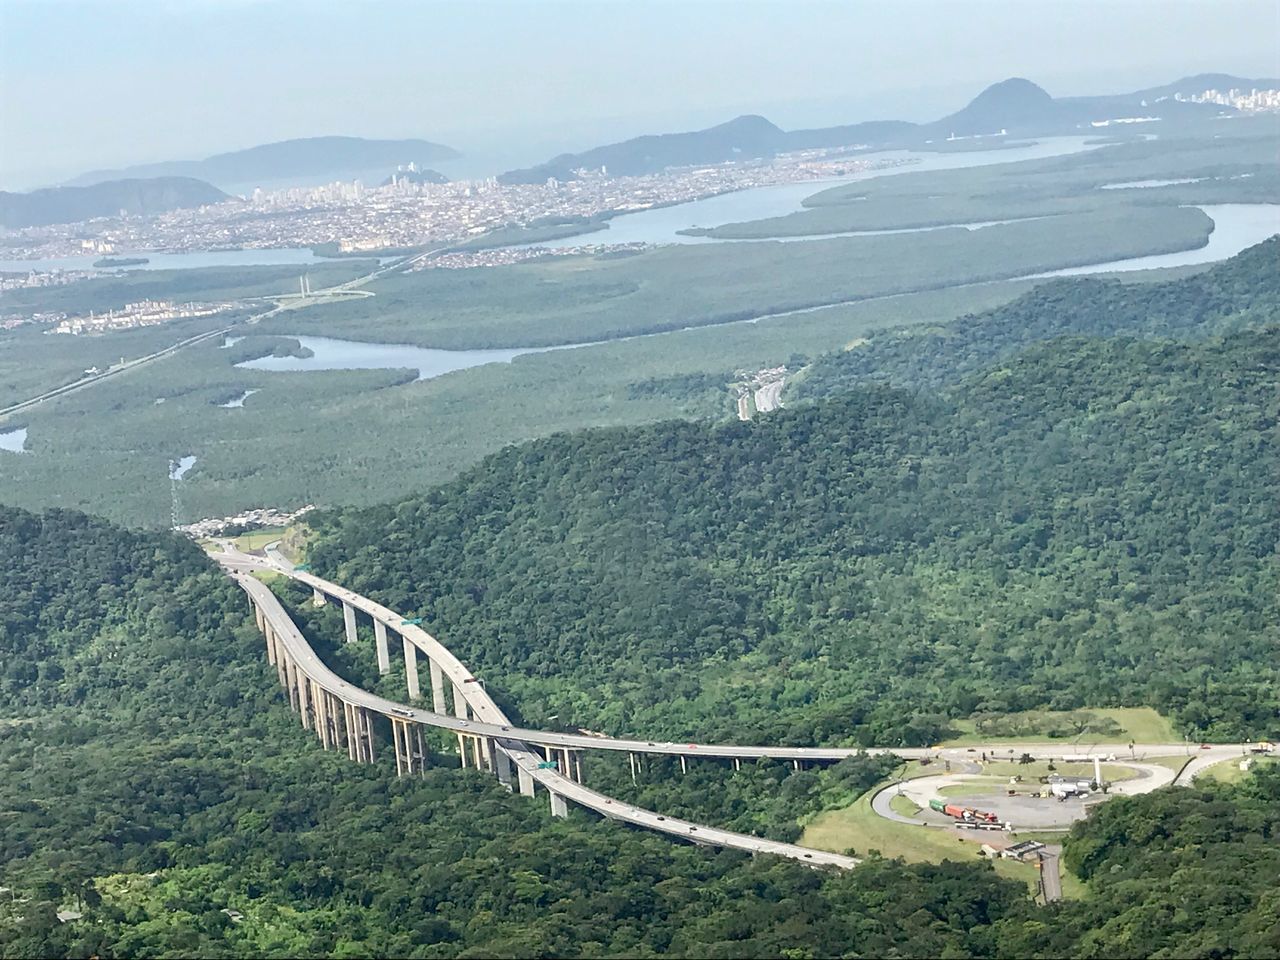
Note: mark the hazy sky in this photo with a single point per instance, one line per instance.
(95, 83)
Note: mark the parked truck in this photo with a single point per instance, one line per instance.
(967, 814)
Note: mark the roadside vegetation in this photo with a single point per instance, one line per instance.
(872, 567)
(157, 792)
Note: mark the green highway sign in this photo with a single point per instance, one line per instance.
(303, 566)
(548, 765)
(411, 622)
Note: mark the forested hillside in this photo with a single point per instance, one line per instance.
(1238, 293)
(1090, 524)
(153, 781)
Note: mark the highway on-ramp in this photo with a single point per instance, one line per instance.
(487, 720)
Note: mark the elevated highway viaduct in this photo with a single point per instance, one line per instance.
(341, 715)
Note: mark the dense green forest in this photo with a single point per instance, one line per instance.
(1233, 295)
(106, 450)
(1092, 523)
(155, 783)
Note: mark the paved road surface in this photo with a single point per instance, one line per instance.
(490, 721)
(520, 753)
(1051, 874)
(769, 397)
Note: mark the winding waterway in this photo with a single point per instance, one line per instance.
(14, 441)
(1236, 227)
(328, 353)
(176, 261)
(178, 468)
(238, 401)
(660, 224)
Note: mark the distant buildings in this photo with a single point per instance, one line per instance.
(1246, 101)
(414, 212)
(246, 520)
(144, 313)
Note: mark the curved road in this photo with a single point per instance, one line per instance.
(306, 661)
(489, 721)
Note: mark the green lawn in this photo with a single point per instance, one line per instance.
(859, 828)
(904, 806)
(1032, 772)
(1228, 771)
(250, 542)
(1138, 724)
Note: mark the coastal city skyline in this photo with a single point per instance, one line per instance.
(391, 78)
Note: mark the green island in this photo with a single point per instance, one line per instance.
(121, 261)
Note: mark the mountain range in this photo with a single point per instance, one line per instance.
(133, 196)
(1015, 106)
(325, 157)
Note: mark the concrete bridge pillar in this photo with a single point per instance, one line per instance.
(526, 782)
(437, 688)
(257, 615)
(477, 752)
(684, 765)
(411, 668)
(558, 806)
(280, 658)
(337, 729)
(631, 757)
(366, 745)
(347, 731)
(320, 697)
(270, 636)
(420, 742)
(459, 702)
(462, 751)
(318, 599)
(291, 682)
(577, 765)
(411, 754)
(737, 764)
(380, 640)
(502, 765)
(349, 620)
(305, 708)
(399, 747)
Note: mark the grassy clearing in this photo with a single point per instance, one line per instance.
(859, 828)
(251, 542)
(903, 806)
(1031, 772)
(1109, 725)
(1228, 771)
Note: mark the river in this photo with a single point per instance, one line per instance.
(176, 261)
(178, 468)
(328, 353)
(14, 441)
(1236, 227)
(660, 224)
